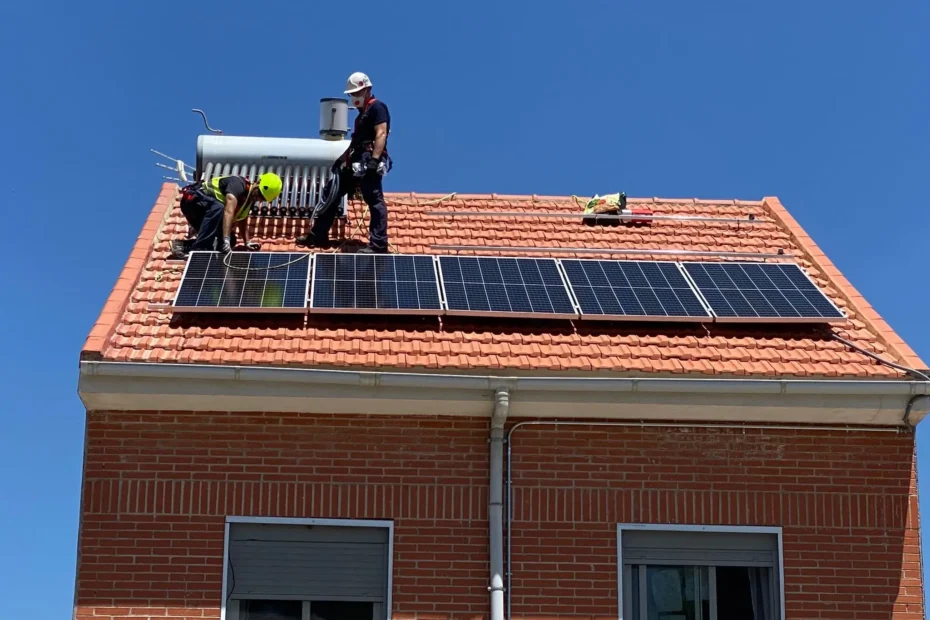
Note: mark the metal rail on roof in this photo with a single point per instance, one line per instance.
(645, 251)
(751, 219)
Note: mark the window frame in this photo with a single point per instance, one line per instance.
(365, 523)
(725, 529)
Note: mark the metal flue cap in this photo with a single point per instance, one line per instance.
(334, 118)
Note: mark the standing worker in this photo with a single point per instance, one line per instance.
(361, 166)
(212, 206)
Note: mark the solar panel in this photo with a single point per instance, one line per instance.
(375, 283)
(245, 282)
(761, 292)
(633, 290)
(528, 287)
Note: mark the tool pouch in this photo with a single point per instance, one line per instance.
(610, 204)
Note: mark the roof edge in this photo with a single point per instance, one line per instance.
(876, 324)
(187, 387)
(128, 279)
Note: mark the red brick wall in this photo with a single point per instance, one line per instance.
(846, 501)
(158, 485)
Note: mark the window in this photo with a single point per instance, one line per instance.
(300, 610)
(307, 569)
(699, 573)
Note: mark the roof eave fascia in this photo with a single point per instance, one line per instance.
(190, 387)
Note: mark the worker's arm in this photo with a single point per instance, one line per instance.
(228, 213)
(243, 227)
(380, 140)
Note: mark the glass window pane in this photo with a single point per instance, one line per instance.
(744, 593)
(672, 593)
(634, 580)
(340, 610)
(270, 610)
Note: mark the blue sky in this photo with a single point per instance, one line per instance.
(823, 104)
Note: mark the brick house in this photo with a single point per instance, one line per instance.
(349, 467)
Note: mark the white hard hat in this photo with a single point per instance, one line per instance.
(356, 82)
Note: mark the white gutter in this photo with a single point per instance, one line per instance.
(165, 386)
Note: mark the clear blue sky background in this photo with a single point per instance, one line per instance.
(821, 103)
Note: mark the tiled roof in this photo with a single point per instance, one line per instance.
(135, 325)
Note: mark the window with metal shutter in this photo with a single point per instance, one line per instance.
(699, 548)
(307, 562)
(699, 573)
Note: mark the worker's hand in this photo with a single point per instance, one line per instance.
(372, 164)
(253, 246)
(227, 246)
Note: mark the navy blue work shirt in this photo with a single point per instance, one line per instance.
(363, 136)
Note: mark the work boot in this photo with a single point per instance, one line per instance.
(308, 241)
(179, 250)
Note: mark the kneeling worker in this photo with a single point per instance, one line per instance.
(362, 165)
(212, 206)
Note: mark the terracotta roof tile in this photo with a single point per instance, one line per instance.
(130, 328)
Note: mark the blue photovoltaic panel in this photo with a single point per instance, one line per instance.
(761, 292)
(252, 282)
(646, 290)
(531, 287)
(375, 283)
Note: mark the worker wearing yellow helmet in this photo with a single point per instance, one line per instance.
(211, 207)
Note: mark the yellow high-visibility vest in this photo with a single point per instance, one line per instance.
(213, 185)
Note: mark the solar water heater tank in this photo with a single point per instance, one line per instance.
(334, 118)
(304, 164)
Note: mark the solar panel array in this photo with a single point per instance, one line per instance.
(500, 286)
(244, 282)
(531, 287)
(755, 291)
(385, 283)
(618, 289)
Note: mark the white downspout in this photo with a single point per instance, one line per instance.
(496, 503)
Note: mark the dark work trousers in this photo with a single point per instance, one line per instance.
(204, 213)
(370, 184)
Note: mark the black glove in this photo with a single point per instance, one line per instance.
(253, 246)
(226, 248)
(371, 163)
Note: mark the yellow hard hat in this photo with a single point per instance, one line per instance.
(269, 184)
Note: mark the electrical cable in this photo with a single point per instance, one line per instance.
(269, 268)
(905, 369)
(358, 227)
(436, 201)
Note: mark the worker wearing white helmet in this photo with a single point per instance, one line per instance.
(362, 165)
